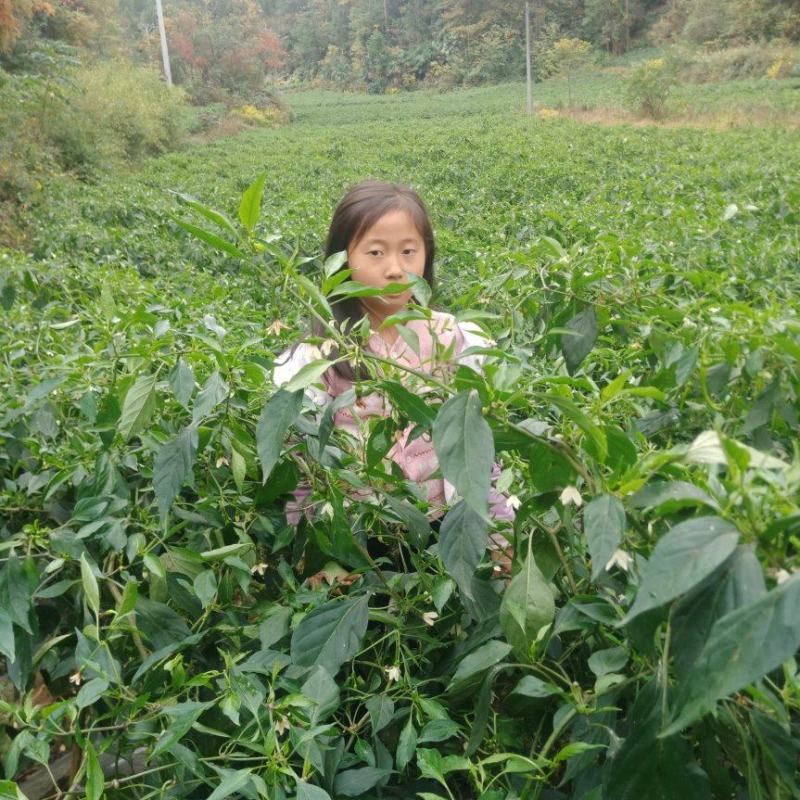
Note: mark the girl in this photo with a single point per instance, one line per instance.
(386, 232)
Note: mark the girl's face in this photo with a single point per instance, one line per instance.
(383, 255)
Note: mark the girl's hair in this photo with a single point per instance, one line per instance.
(362, 206)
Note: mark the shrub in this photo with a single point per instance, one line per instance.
(117, 111)
(443, 76)
(649, 87)
(780, 68)
(737, 63)
(266, 117)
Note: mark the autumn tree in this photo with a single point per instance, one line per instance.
(569, 55)
(220, 43)
(13, 16)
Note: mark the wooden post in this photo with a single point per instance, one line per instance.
(164, 51)
(529, 85)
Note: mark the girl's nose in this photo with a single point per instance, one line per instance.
(393, 269)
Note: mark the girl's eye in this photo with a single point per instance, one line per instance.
(373, 252)
(409, 252)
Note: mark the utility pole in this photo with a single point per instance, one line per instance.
(528, 59)
(164, 51)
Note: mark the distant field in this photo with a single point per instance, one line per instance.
(494, 180)
(760, 101)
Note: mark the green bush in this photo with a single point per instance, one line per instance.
(649, 87)
(735, 63)
(116, 111)
(58, 116)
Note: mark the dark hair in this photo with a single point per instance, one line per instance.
(362, 206)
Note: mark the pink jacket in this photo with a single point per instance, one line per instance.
(439, 347)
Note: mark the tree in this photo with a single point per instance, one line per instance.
(223, 43)
(377, 62)
(610, 24)
(569, 55)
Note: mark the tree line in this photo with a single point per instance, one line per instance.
(219, 47)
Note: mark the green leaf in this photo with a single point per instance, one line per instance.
(421, 289)
(418, 529)
(208, 237)
(743, 646)
(323, 692)
(217, 217)
(181, 381)
(250, 204)
(7, 296)
(572, 412)
(407, 744)
(667, 497)
(327, 423)
(473, 667)
(577, 345)
(548, 469)
(530, 689)
(214, 391)
(231, 783)
(10, 791)
(353, 782)
(15, 593)
(308, 374)
(612, 659)
(315, 294)
(226, 551)
(410, 405)
(604, 526)
(139, 404)
(645, 766)
(438, 730)
(331, 634)
(173, 466)
(430, 764)
(334, 263)
(7, 642)
(482, 709)
(381, 711)
(761, 412)
(305, 791)
(91, 691)
(239, 469)
(205, 587)
(681, 559)
(527, 606)
(463, 539)
(409, 336)
(778, 745)
(180, 718)
(90, 588)
(128, 600)
(353, 289)
(738, 582)
(95, 780)
(276, 418)
(465, 448)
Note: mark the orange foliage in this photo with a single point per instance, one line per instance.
(235, 48)
(271, 49)
(11, 18)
